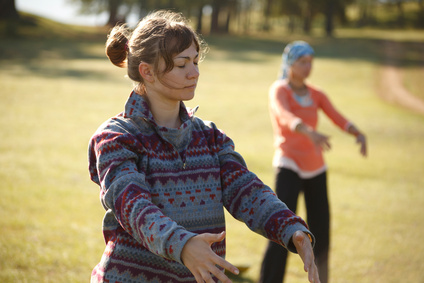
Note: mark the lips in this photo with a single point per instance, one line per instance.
(191, 86)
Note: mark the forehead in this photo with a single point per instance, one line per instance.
(188, 53)
(305, 58)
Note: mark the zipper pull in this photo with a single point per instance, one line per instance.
(184, 165)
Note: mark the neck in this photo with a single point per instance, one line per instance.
(298, 86)
(297, 83)
(166, 113)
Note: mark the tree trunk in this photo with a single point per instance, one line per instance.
(232, 12)
(227, 22)
(420, 22)
(8, 10)
(291, 24)
(216, 6)
(401, 16)
(307, 20)
(199, 19)
(329, 13)
(113, 12)
(267, 15)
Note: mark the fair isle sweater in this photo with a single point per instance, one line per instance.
(162, 186)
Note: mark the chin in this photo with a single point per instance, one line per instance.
(188, 96)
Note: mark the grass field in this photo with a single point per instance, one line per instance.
(56, 90)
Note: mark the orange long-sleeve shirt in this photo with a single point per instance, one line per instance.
(294, 150)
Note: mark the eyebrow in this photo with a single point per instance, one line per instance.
(187, 57)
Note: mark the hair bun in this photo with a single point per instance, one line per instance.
(117, 45)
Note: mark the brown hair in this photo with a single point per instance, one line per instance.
(161, 34)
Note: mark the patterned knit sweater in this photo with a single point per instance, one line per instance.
(162, 186)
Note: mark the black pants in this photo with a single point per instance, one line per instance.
(288, 187)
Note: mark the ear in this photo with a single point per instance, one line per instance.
(146, 72)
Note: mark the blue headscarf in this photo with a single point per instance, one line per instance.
(292, 52)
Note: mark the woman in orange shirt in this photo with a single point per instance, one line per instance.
(294, 106)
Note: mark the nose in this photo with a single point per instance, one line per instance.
(194, 72)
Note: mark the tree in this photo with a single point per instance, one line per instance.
(267, 15)
(401, 13)
(329, 8)
(114, 17)
(8, 10)
(223, 10)
(310, 9)
(420, 14)
(292, 9)
(113, 7)
(216, 10)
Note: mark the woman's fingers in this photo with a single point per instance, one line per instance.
(304, 248)
(203, 262)
(213, 238)
(326, 144)
(219, 274)
(362, 141)
(206, 276)
(320, 140)
(226, 265)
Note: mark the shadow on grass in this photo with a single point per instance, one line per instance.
(24, 50)
(34, 38)
(353, 48)
(240, 278)
(37, 39)
(44, 48)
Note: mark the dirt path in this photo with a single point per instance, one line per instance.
(390, 85)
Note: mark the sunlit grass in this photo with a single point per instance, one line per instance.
(56, 98)
(413, 79)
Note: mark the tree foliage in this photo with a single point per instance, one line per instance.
(227, 13)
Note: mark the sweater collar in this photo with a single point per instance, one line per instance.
(138, 107)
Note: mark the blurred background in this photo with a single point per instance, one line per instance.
(233, 16)
(57, 86)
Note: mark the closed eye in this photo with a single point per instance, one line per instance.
(183, 66)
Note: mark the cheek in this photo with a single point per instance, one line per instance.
(172, 78)
(308, 69)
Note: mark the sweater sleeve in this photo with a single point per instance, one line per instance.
(332, 113)
(113, 159)
(280, 107)
(249, 200)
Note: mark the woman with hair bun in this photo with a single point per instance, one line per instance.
(165, 175)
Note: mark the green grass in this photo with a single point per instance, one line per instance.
(56, 90)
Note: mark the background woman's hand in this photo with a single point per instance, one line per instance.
(320, 140)
(317, 138)
(360, 139)
(201, 260)
(304, 249)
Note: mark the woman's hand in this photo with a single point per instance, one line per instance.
(317, 138)
(201, 260)
(320, 140)
(360, 139)
(304, 249)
